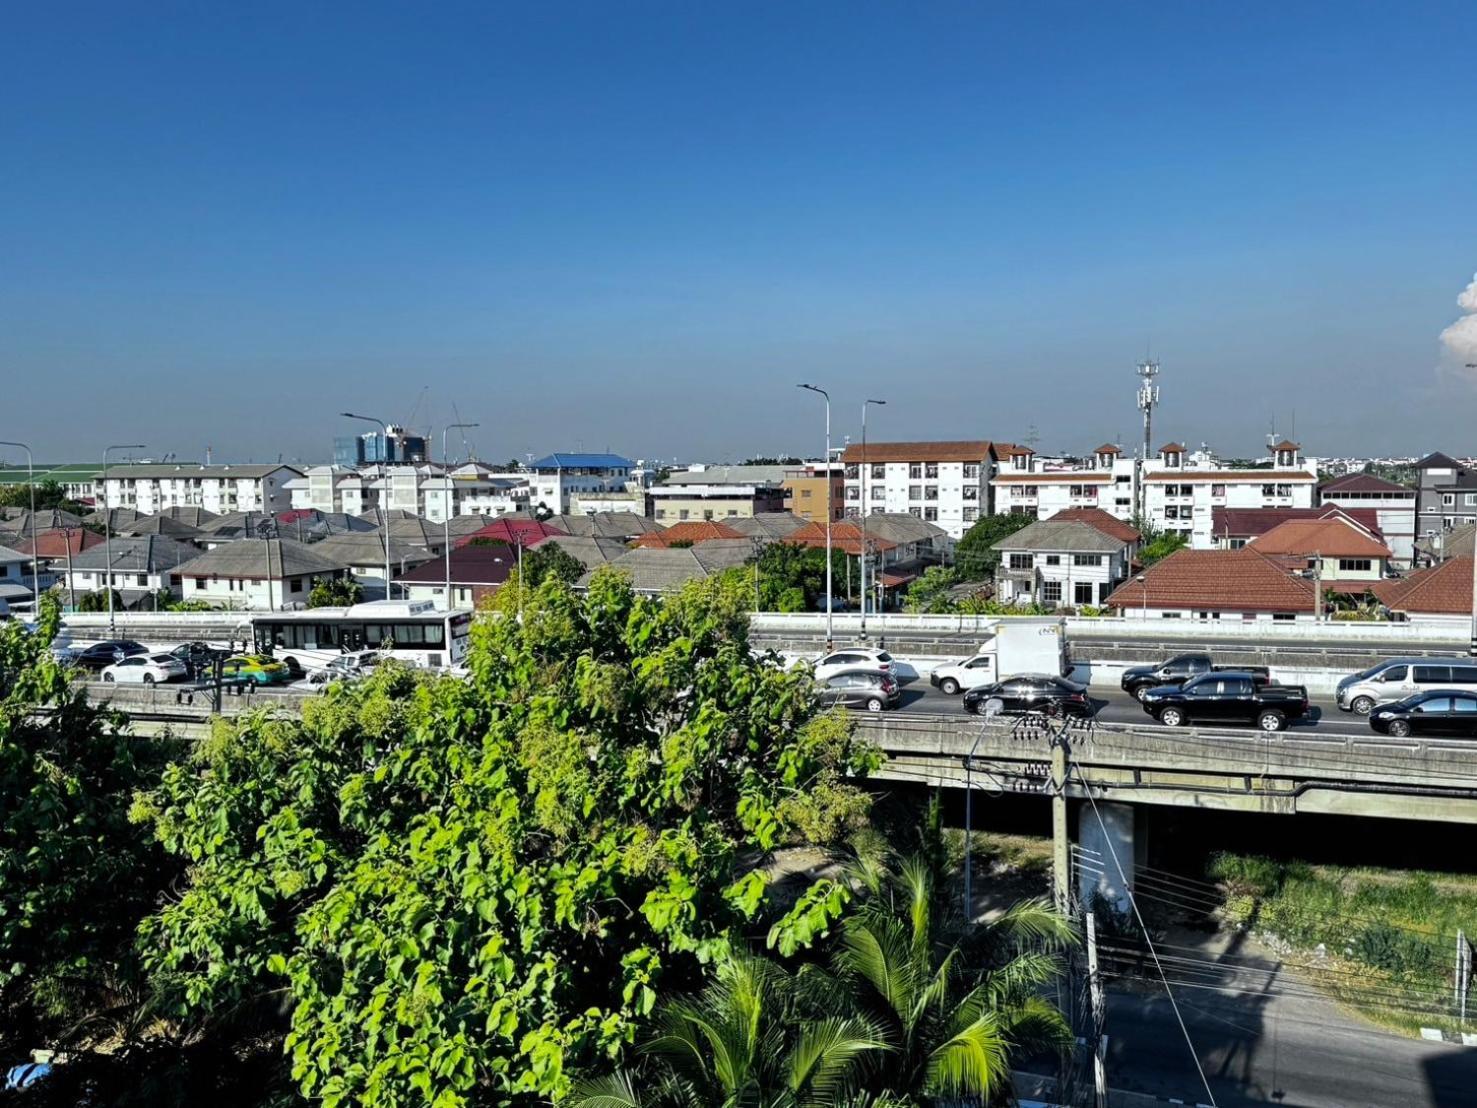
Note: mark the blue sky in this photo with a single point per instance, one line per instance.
(637, 225)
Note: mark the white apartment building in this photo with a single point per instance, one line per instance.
(1180, 495)
(222, 489)
(556, 479)
(945, 483)
(1024, 484)
(428, 491)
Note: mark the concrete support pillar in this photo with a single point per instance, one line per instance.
(1125, 827)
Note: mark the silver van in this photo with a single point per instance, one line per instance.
(1401, 677)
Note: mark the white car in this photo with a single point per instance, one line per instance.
(346, 667)
(145, 669)
(852, 657)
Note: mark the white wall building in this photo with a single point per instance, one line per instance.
(1394, 507)
(256, 573)
(1023, 484)
(1060, 564)
(222, 489)
(557, 478)
(946, 483)
(1180, 495)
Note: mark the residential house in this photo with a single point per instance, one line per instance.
(1446, 494)
(1059, 562)
(655, 570)
(591, 551)
(686, 534)
(364, 555)
(606, 525)
(15, 569)
(142, 566)
(162, 525)
(510, 530)
(55, 548)
(810, 487)
(1394, 506)
(947, 483)
(770, 526)
(18, 523)
(1233, 528)
(1430, 549)
(558, 479)
(1241, 585)
(1440, 595)
(1181, 495)
(115, 518)
(717, 492)
(1027, 485)
(1340, 555)
(1108, 524)
(476, 572)
(258, 573)
(151, 488)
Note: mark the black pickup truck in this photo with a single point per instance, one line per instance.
(1227, 697)
(1138, 680)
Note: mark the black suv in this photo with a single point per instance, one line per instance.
(100, 655)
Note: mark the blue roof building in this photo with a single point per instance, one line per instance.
(605, 464)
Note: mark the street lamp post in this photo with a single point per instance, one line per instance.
(35, 561)
(1472, 646)
(1144, 594)
(827, 456)
(866, 467)
(108, 536)
(385, 475)
(446, 508)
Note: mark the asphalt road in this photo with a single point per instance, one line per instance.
(1116, 706)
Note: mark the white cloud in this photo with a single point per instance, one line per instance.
(1460, 339)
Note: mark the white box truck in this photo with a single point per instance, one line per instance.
(1013, 646)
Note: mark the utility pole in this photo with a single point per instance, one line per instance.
(1099, 1015)
(446, 508)
(1463, 974)
(1061, 841)
(1148, 400)
(35, 561)
(830, 636)
(108, 538)
(866, 466)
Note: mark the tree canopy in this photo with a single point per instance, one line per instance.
(973, 557)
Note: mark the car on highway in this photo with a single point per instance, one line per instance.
(1400, 678)
(850, 658)
(257, 668)
(1138, 680)
(100, 655)
(358, 663)
(1029, 693)
(146, 669)
(198, 657)
(1448, 712)
(873, 690)
(1227, 697)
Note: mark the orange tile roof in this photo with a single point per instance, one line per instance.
(1105, 522)
(1172, 448)
(1108, 448)
(845, 535)
(54, 543)
(1445, 589)
(1331, 538)
(972, 450)
(1216, 580)
(689, 531)
(1287, 444)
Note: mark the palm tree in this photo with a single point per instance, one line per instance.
(954, 1013)
(744, 1041)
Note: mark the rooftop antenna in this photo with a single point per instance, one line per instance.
(1033, 436)
(1148, 400)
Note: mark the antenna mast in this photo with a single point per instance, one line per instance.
(1148, 400)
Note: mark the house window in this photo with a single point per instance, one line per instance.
(879, 492)
(296, 584)
(931, 514)
(804, 494)
(971, 492)
(1082, 592)
(852, 493)
(915, 471)
(1448, 499)
(971, 514)
(1021, 561)
(931, 471)
(1051, 592)
(971, 471)
(1087, 559)
(851, 471)
(1283, 617)
(1053, 559)
(879, 471)
(1170, 615)
(930, 492)
(1355, 565)
(1218, 490)
(915, 492)
(682, 513)
(916, 512)
(1284, 490)
(141, 579)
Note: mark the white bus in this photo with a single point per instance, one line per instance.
(412, 631)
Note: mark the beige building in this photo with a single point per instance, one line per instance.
(717, 492)
(805, 491)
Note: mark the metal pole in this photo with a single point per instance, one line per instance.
(830, 635)
(108, 537)
(35, 562)
(969, 827)
(1060, 841)
(446, 508)
(385, 477)
(71, 579)
(1095, 994)
(866, 466)
(519, 542)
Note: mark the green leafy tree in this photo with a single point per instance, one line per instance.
(792, 578)
(76, 876)
(49, 494)
(1156, 544)
(97, 601)
(550, 560)
(973, 556)
(341, 592)
(464, 888)
(931, 592)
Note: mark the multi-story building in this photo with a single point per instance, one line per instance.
(1394, 507)
(717, 492)
(1182, 497)
(556, 479)
(806, 488)
(1446, 494)
(222, 489)
(392, 446)
(947, 483)
(1024, 484)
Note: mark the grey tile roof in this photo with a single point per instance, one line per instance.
(368, 548)
(136, 554)
(1071, 536)
(660, 569)
(159, 525)
(591, 550)
(609, 525)
(768, 525)
(901, 527)
(18, 520)
(250, 558)
(9, 555)
(113, 517)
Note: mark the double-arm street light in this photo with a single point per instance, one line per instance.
(866, 467)
(108, 536)
(446, 507)
(385, 496)
(827, 456)
(35, 563)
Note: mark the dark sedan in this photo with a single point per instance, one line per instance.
(861, 689)
(1443, 712)
(100, 655)
(1032, 692)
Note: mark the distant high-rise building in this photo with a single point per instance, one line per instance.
(393, 446)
